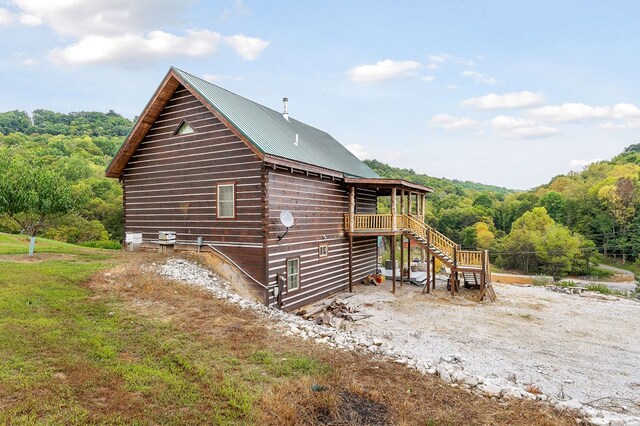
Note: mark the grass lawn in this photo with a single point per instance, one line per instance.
(91, 337)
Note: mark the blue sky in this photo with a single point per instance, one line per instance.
(509, 93)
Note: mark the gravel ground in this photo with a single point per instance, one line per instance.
(575, 350)
(569, 346)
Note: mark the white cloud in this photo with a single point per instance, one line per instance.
(628, 124)
(128, 32)
(30, 20)
(6, 18)
(30, 62)
(620, 116)
(433, 66)
(580, 164)
(507, 101)
(450, 122)
(428, 78)
(358, 150)
(518, 127)
(101, 17)
(440, 58)
(248, 48)
(383, 71)
(625, 111)
(570, 112)
(134, 49)
(479, 77)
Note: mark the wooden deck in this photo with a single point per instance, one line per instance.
(436, 245)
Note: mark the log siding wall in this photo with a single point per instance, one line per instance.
(170, 184)
(318, 206)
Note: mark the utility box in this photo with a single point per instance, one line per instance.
(132, 240)
(166, 237)
(166, 240)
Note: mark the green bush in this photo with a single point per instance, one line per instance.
(600, 288)
(540, 280)
(566, 283)
(103, 244)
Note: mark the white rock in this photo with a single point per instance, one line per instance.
(490, 389)
(444, 375)
(472, 381)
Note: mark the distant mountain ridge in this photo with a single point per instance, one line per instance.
(441, 184)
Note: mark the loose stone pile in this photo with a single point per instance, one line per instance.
(449, 368)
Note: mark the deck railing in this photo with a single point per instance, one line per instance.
(469, 258)
(383, 222)
(374, 222)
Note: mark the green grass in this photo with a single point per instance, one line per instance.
(19, 244)
(566, 283)
(62, 349)
(600, 288)
(49, 324)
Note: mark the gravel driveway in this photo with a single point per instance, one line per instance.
(567, 345)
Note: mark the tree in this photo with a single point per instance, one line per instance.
(483, 200)
(14, 121)
(556, 205)
(31, 195)
(537, 244)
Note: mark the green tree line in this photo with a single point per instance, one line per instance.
(557, 228)
(64, 156)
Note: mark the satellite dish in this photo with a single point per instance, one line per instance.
(286, 218)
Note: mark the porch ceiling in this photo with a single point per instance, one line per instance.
(384, 186)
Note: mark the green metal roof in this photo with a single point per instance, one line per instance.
(272, 134)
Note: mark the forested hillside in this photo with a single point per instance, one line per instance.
(74, 149)
(556, 228)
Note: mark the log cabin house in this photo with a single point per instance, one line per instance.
(218, 170)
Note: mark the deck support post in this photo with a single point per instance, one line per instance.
(483, 272)
(433, 272)
(392, 239)
(408, 260)
(352, 208)
(393, 210)
(427, 284)
(350, 263)
(401, 260)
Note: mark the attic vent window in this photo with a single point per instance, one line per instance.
(184, 129)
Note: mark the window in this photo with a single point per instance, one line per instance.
(226, 201)
(293, 274)
(184, 129)
(323, 250)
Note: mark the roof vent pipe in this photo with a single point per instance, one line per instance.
(285, 114)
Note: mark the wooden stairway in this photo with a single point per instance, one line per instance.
(472, 266)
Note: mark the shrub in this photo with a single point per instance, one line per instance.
(566, 283)
(540, 280)
(103, 244)
(600, 288)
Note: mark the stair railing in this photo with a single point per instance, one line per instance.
(436, 239)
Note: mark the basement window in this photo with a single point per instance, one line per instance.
(323, 250)
(184, 129)
(293, 274)
(226, 201)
